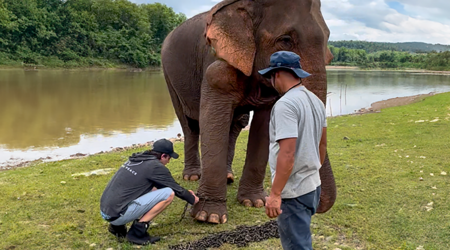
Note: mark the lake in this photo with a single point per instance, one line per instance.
(57, 113)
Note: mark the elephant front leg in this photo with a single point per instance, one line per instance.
(251, 188)
(218, 101)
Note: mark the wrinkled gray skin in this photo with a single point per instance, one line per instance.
(211, 65)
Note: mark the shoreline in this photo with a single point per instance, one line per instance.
(376, 107)
(158, 68)
(116, 68)
(21, 164)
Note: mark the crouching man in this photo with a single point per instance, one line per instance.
(140, 190)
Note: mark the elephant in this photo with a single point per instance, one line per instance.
(210, 63)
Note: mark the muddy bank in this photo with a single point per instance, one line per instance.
(393, 102)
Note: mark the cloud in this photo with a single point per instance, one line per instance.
(189, 7)
(437, 11)
(369, 20)
(383, 21)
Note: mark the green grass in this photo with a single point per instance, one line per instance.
(381, 203)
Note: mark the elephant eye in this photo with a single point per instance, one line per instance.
(285, 41)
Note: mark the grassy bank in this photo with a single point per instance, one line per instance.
(382, 204)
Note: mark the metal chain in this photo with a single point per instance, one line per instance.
(183, 215)
(241, 237)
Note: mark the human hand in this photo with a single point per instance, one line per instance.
(273, 206)
(196, 198)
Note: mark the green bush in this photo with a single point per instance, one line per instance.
(53, 62)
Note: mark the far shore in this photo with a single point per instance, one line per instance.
(154, 69)
(95, 68)
(408, 70)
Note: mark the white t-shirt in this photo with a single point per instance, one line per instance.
(298, 114)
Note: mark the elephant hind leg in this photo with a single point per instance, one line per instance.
(191, 131)
(192, 166)
(240, 121)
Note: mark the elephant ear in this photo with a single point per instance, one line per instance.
(229, 30)
(317, 14)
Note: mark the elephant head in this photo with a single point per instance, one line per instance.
(245, 33)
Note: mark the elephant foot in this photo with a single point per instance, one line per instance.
(191, 178)
(252, 199)
(213, 211)
(230, 178)
(191, 174)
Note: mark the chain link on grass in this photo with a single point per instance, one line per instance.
(240, 237)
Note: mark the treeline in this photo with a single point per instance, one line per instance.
(73, 33)
(371, 47)
(390, 59)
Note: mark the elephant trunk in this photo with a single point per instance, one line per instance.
(328, 194)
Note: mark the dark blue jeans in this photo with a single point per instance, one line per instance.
(295, 221)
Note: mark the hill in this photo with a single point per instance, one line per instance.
(370, 47)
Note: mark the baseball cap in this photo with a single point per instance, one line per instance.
(285, 60)
(166, 147)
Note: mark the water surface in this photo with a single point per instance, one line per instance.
(57, 113)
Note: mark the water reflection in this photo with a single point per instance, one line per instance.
(55, 108)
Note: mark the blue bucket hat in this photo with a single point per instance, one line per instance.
(285, 60)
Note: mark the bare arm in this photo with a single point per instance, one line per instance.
(323, 146)
(285, 164)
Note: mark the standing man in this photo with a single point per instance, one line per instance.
(297, 151)
(140, 190)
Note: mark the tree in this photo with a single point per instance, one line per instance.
(82, 32)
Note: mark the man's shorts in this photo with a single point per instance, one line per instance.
(141, 206)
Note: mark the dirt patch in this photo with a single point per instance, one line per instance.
(394, 102)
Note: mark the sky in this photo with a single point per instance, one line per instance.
(365, 20)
